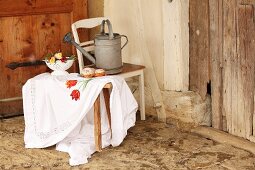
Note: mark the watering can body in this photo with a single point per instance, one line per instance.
(108, 49)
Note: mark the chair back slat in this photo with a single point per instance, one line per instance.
(87, 43)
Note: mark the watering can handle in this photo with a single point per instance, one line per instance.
(102, 31)
(125, 42)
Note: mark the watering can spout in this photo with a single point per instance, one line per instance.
(68, 39)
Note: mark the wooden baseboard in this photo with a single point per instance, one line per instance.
(223, 137)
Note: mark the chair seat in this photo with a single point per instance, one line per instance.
(127, 67)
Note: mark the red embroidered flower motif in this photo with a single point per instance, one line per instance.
(71, 83)
(75, 95)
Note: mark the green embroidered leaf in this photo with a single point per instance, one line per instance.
(85, 82)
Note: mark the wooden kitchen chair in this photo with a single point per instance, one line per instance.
(129, 70)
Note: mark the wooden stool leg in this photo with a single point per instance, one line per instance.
(107, 105)
(97, 125)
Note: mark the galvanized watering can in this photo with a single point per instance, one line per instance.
(107, 49)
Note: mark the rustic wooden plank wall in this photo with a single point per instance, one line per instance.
(231, 67)
(199, 46)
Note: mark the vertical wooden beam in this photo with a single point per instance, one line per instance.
(176, 44)
(199, 46)
(216, 27)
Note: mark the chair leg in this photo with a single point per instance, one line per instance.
(97, 125)
(107, 105)
(141, 91)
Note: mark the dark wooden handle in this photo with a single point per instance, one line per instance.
(14, 65)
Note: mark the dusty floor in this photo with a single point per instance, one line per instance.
(149, 145)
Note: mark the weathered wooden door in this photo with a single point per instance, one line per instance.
(232, 45)
(30, 29)
(222, 61)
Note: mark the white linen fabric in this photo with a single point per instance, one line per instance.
(52, 117)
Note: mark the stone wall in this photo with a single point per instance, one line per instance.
(181, 107)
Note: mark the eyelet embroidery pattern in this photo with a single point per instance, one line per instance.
(43, 135)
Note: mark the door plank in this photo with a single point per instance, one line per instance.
(246, 51)
(216, 40)
(34, 7)
(199, 46)
(239, 124)
(229, 65)
(246, 70)
(250, 52)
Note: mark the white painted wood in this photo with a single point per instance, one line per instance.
(142, 99)
(89, 23)
(176, 44)
(87, 43)
(131, 74)
(90, 48)
(140, 74)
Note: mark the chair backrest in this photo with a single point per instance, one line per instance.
(88, 45)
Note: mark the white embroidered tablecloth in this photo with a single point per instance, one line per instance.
(60, 111)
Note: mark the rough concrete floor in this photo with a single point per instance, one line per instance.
(149, 145)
